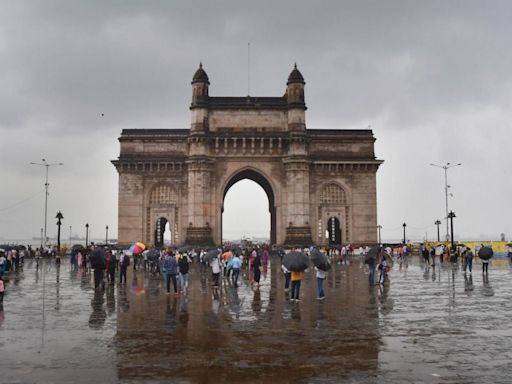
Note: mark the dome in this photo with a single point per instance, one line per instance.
(200, 76)
(295, 76)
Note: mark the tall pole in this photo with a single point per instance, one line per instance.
(451, 215)
(70, 235)
(41, 239)
(86, 235)
(59, 217)
(46, 186)
(106, 235)
(446, 186)
(438, 223)
(379, 227)
(404, 225)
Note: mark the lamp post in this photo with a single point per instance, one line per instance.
(379, 227)
(70, 235)
(41, 240)
(451, 216)
(438, 223)
(106, 235)
(86, 235)
(59, 217)
(404, 225)
(46, 185)
(446, 186)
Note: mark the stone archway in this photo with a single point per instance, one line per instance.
(184, 174)
(261, 180)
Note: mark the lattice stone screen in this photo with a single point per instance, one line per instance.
(333, 194)
(162, 194)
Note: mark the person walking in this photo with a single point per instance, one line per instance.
(112, 268)
(296, 278)
(215, 265)
(371, 271)
(320, 277)
(183, 266)
(469, 260)
(2, 289)
(235, 266)
(124, 262)
(98, 263)
(287, 277)
(171, 268)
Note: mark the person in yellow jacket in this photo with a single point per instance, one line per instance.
(296, 279)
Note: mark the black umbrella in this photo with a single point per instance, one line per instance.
(153, 254)
(296, 261)
(485, 253)
(77, 247)
(320, 260)
(98, 258)
(210, 255)
(373, 253)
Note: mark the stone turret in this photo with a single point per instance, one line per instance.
(199, 105)
(296, 104)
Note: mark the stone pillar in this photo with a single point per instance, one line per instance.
(298, 229)
(131, 208)
(200, 209)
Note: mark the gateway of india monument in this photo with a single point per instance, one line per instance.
(320, 183)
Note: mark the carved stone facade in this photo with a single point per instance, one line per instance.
(312, 177)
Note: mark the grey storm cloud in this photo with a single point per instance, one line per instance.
(431, 78)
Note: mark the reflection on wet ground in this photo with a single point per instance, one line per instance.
(429, 325)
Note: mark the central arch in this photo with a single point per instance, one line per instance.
(263, 182)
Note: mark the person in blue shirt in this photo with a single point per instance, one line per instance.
(235, 264)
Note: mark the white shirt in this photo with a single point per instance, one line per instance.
(320, 274)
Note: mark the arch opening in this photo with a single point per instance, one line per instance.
(249, 201)
(163, 234)
(334, 231)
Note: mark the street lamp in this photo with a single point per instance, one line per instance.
(106, 235)
(379, 227)
(446, 186)
(46, 185)
(59, 217)
(438, 223)
(86, 235)
(451, 216)
(404, 225)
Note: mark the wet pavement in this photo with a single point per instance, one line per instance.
(429, 325)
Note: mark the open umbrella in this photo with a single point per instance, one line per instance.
(296, 261)
(320, 260)
(153, 254)
(136, 248)
(210, 255)
(485, 253)
(373, 253)
(77, 247)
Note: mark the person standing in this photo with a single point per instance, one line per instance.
(469, 260)
(98, 263)
(256, 264)
(124, 263)
(183, 266)
(171, 268)
(235, 265)
(296, 278)
(320, 277)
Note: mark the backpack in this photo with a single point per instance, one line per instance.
(126, 261)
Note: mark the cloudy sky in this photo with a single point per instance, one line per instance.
(432, 79)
